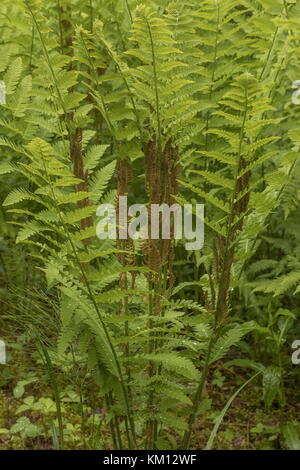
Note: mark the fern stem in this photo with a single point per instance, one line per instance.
(159, 134)
(103, 104)
(273, 42)
(83, 427)
(227, 259)
(81, 402)
(91, 9)
(222, 290)
(292, 166)
(117, 427)
(31, 49)
(198, 395)
(127, 349)
(128, 9)
(111, 425)
(214, 65)
(269, 54)
(54, 385)
(130, 437)
(149, 423)
(61, 34)
(47, 59)
(131, 97)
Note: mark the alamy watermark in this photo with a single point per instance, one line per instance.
(2, 352)
(296, 94)
(296, 354)
(2, 92)
(157, 221)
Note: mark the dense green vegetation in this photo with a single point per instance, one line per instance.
(142, 344)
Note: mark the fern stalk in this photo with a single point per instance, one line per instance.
(159, 134)
(128, 10)
(149, 423)
(131, 96)
(212, 78)
(222, 288)
(54, 385)
(130, 436)
(227, 256)
(185, 444)
(91, 12)
(61, 34)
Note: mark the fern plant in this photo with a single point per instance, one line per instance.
(166, 102)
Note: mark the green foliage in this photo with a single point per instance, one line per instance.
(91, 88)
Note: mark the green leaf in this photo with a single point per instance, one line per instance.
(271, 384)
(175, 363)
(291, 436)
(221, 416)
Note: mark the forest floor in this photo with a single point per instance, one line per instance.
(24, 421)
(248, 425)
